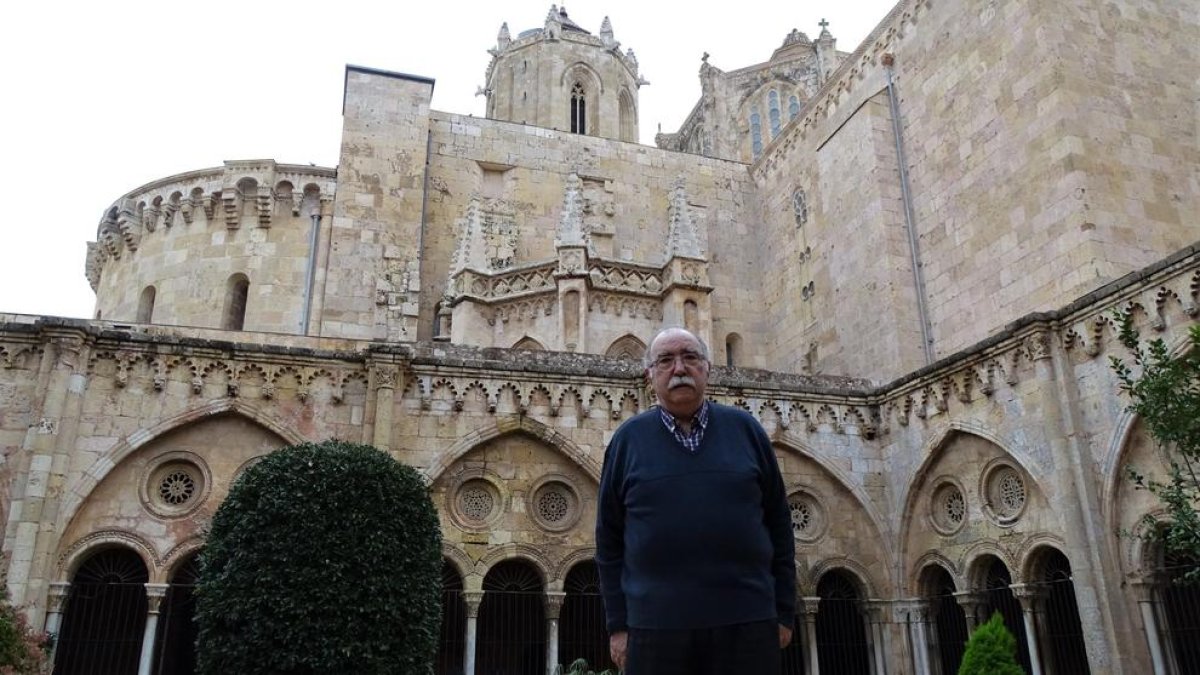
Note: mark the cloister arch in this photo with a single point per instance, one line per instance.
(112, 458)
(792, 445)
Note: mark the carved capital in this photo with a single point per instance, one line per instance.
(384, 376)
(59, 592)
(68, 349)
(809, 606)
(554, 603)
(473, 599)
(154, 596)
(1038, 345)
(1029, 595)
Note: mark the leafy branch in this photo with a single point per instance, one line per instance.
(1164, 392)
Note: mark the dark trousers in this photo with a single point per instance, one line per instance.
(741, 649)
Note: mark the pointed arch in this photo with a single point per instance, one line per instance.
(790, 441)
(127, 445)
(529, 344)
(626, 347)
(627, 116)
(932, 452)
(510, 425)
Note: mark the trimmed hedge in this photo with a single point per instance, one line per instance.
(992, 650)
(324, 558)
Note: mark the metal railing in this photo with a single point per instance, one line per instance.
(102, 629)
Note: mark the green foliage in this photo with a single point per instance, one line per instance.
(581, 667)
(1165, 395)
(22, 649)
(992, 650)
(324, 559)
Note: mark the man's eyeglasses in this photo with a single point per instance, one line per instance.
(667, 361)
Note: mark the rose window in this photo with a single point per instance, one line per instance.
(948, 508)
(1006, 494)
(553, 506)
(177, 487)
(476, 503)
(174, 484)
(801, 517)
(1011, 492)
(808, 517)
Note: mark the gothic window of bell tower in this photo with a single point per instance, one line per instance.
(756, 134)
(578, 109)
(773, 112)
(793, 107)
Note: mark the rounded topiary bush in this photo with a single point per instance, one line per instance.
(324, 558)
(992, 650)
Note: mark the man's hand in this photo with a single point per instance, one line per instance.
(785, 636)
(617, 643)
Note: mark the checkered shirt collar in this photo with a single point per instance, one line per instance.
(690, 442)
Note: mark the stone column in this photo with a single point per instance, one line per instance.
(809, 607)
(472, 599)
(554, 603)
(154, 596)
(875, 615)
(55, 605)
(1144, 591)
(384, 378)
(1030, 598)
(916, 615)
(970, 601)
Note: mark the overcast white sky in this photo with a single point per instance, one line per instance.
(102, 97)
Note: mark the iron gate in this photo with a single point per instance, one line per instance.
(104, 617)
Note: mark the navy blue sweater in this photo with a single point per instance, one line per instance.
(697, 540)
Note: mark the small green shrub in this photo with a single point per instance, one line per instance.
(22, 649)
(992, 650)
(324, 558)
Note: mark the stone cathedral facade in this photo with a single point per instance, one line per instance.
(906, 259)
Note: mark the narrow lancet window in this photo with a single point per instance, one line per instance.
(237, 289)
(756, 134)
(773, 112)
(578, 109)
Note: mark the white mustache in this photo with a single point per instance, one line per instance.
(681, 381)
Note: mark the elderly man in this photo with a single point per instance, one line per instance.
(693, 536)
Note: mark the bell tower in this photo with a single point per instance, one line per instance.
(563, 77)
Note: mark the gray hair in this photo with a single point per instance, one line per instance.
(648, 359)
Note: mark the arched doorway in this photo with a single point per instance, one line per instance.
(104, 616)
(175, 651)
(581, 630)
(842, 645)
(451, 640)
(512, 621)
(947, 620)
(1062, 647)
(998, 597)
